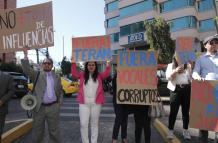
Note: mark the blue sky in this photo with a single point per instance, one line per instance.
(71, 18)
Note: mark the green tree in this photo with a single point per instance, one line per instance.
(65, 66)
(158, 36)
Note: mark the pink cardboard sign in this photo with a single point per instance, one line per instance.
(203, 107)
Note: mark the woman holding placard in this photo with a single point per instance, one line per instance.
(90, 98)
(179, 79)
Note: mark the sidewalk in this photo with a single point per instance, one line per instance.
(179, 128)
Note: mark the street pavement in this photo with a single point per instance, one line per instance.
(70, 123)
(70, 130)
(179, 128)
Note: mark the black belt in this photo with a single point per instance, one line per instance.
(49, 104)
(183, 85)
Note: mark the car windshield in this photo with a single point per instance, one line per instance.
(16, 75)
(68, 80)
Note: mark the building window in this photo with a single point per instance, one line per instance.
(114, 37)
(137, 8)
(112, 6)
(114, 52)
(183, 23)
(207, 25)
(175, 4)
(112, 22)
(205, 5)
(132, 28)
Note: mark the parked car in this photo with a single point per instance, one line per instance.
(69, 87)
(20, 83)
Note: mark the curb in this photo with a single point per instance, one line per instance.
(162, 129)
(17, 131)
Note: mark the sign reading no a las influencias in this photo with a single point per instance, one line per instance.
(136, 77)
(29, 26)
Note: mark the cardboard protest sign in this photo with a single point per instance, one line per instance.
(1, 4)
(29, 26)
(136, 77)
(185, 49)
(93, 48)
(204, 103)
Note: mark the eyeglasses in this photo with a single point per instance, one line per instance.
(46, 63)
(213, 42)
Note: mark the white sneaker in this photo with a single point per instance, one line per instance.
(170, 134)
(186, 135)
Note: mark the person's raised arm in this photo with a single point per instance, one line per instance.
(27, 69)
(74, 71)
(106, 73)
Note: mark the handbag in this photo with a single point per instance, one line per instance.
(157, 110)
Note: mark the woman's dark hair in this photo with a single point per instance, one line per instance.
(175, 63)
(94, 75)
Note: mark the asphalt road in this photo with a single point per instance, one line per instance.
(70, 122)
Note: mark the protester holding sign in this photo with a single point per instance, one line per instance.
(206, 68)
(49, 97)
(179, 78)
(90, 98)
(121, 112)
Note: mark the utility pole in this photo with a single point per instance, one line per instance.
(37, 55)
(4, 54)
(216, 12)
(47, 53)
(63, 46)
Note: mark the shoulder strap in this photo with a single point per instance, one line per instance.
(34, 84)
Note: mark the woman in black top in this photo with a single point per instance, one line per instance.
(121, 118)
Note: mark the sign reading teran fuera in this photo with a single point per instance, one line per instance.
(29, 26)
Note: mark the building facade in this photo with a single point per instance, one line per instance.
(125, 20)
(8, 4)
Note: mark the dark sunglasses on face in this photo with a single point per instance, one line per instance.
(46, 63)
(213, 42)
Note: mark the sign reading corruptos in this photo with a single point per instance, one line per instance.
(136, 77)
(29, 26)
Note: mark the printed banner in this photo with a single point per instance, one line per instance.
(185, 49)
(94, 48)
(204, 103)
(29, 26)
(136, 77)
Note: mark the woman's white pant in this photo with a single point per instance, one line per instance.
(86, 112)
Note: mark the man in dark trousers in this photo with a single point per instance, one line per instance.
(6, 91)
(206, 68)
(49, 96)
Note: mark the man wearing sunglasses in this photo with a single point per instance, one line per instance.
(206, 68)
(49, 95)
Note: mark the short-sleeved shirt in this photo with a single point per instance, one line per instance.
(207, 66)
